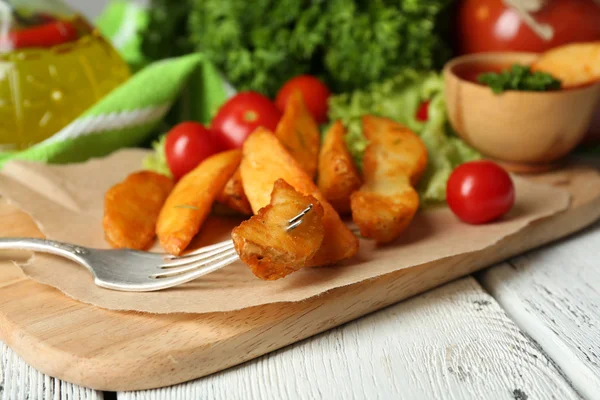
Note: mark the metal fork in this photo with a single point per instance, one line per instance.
(140, 271)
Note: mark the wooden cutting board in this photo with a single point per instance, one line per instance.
(113, 350)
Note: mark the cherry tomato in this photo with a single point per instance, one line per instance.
(241, 115)
(314, 92)
(480, 192)
(423, 111)
(187, 145)
(492, 25)
(45, 35)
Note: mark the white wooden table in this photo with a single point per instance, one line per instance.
(526, 329)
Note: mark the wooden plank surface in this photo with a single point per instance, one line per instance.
(109, 350)
(554, 295)
(454, 342)
(20, 381)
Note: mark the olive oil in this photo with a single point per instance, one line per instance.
(43, 89)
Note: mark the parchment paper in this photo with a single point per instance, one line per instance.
(67, 204)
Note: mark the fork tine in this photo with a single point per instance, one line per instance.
(201, 250)
(296, 221)
(197, 257)
(293, 225)
(302, 214)
(178, 270)
(168, 282)
(356, 232)
(194, 265)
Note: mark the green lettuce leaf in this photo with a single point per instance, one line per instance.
(398, 99)
(157, 161)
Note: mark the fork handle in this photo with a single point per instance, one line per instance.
(67, 250)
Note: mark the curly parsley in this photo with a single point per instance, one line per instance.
(519, 77)
(260, 44)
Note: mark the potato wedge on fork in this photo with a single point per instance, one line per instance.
(269, 245)
(393, 163)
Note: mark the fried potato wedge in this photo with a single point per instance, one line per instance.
(191, 200)
(401, 150)
(338, 176)
(263, 243)
(384, 217)
(575, 64)
(131, 209)
(299, 134)
(393, 162)
(265, 161)
(233, 195)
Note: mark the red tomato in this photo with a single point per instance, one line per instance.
(491, 25)
(46, 35)
(423, 111)
(480, 192)
(241, 115)
(187, 145)
(314, 92)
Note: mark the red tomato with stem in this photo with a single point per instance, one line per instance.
(314, 92)
(479, 192)
(492, 25)
(241, 115)
(187, 145)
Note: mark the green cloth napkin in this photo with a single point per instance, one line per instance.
(132, 112)
(121, 22)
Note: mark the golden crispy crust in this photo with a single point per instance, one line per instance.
(233, 195)
(131, 209)
(299, 134)
(265, 161)
(394, 161)
(401, 150)
(191, 200)
(384, 218)
(338, 176)
(263, 243)
(576, 64)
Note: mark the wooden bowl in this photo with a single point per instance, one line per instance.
(526, 131)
